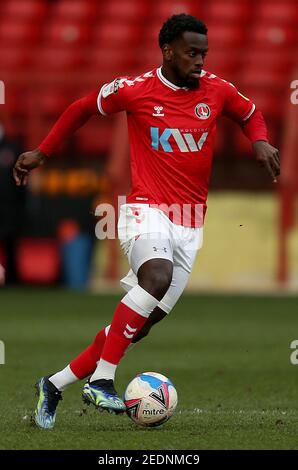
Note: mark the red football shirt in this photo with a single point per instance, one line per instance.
(171, 134)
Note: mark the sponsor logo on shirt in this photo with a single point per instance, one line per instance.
(185, 141)
(202, 111)
(158, 111)
(116, 85)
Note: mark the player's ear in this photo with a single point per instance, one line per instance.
(167, 52)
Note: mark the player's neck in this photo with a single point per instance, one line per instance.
(169, 75)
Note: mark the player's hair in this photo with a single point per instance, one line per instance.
(176, 25)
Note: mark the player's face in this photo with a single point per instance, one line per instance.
(187, 58)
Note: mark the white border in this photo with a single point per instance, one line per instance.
(167, 82)
(250, 112)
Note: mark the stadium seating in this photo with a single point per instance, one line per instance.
(14, 58)
(33, 10)
(52, 101)
(19, 32)
(63, 58)
(224, 35)
(277, 11)
(224, 63)
(136, 10)
(165, 9)
(76, 10)
(105, 64)
(273, 35)
(117, 34)
(228, 11)
(65, 32)
(95, 138)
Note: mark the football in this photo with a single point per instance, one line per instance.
(150, 399)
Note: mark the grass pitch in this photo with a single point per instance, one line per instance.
(229, 358)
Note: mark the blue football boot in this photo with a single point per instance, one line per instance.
(48, 399)
(102, 394)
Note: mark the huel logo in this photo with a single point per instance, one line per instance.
(2, 353)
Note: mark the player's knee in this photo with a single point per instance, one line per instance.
(156, 283)
(155, 276)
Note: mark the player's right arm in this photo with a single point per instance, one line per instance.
(74, 117)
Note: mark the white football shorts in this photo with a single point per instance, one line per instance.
(146, 233)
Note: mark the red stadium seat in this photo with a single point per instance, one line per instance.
(76, 10)
(117, 34)
(167, 8)
(33, 10)
(53, 101)
(242, 144)
(67, 32)
(126, 10)
(150, 35)
(262, 77)
(108, 64)
(227, 11)
(273, 35)
(224, 63)
(95, 138)
(272, 59)
(19, 32)
(276, 11)
(222, 34)
(16, 101)
(38, 261)
(13, 58)
(150, 58)
(270, 101)
(56, 58)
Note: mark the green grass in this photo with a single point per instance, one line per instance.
(229, 357)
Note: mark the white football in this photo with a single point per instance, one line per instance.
(150, 399)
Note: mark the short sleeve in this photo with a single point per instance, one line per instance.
(236, 105)
(115, 96)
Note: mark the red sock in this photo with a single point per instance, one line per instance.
(85, 363)
(125, 325)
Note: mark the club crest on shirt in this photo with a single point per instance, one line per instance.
(202, 111)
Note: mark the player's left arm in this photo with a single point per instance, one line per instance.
(242, 110)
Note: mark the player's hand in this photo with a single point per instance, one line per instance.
(25, 163)
(268, 157)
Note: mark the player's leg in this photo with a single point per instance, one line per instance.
(85, 364)
(151, 260)
(49, 388)
(167, 303)
(184, 256)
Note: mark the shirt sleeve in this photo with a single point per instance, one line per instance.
(74, 117)
(237, 106)
(255, 127)
(116, 96)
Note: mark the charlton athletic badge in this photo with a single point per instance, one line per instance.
(202, 110)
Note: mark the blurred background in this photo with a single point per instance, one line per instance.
(53, 52)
